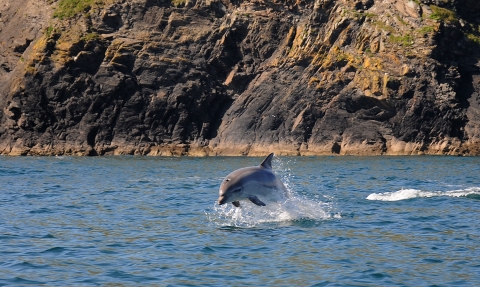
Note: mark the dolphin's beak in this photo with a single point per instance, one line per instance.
(221, 200)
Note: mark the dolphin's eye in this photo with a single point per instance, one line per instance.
(238, 189)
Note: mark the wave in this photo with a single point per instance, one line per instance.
(404, 194)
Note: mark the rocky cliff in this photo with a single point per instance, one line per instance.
(224, 77)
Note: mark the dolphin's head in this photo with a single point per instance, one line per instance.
(231, 190)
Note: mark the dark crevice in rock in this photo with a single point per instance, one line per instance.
(242, 77)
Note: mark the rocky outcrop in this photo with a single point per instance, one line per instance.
(212, 77)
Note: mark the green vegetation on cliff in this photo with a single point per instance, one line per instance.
(71, 8)
(442, 14)
(179, 3)
(404, 40)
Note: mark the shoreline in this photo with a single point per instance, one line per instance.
(177, 150)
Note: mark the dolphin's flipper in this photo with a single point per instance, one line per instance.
(256, 201)
(236, 203)
(267, 162)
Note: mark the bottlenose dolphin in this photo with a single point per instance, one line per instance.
(255, 183)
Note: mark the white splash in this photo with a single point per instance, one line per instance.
(404, 194)
(249, 215)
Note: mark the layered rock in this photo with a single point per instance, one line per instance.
(216, 77)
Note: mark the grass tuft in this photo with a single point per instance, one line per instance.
(179, 3)
(442, 14)
(91, 36)
(475, 39)
(426, 30)
(404, 40)
(70, 8)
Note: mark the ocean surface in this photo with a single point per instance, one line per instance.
(154, 221)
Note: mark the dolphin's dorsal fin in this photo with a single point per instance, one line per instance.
(267, 162)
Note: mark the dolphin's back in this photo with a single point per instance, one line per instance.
(255, 173)
(263, 182)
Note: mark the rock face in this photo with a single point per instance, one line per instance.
(211, 77)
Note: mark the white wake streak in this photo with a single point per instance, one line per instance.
(404, 194)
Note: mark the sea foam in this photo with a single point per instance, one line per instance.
(404, 194)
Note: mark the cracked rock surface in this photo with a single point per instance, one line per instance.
(211, 77)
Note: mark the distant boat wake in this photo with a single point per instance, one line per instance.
(404, 194)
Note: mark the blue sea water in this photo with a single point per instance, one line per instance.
(153, 221)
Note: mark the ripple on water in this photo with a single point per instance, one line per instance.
(41, 210)
(54, 250)
(18, 281)
(24, 266)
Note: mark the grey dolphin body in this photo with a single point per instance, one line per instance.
(255, 183)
